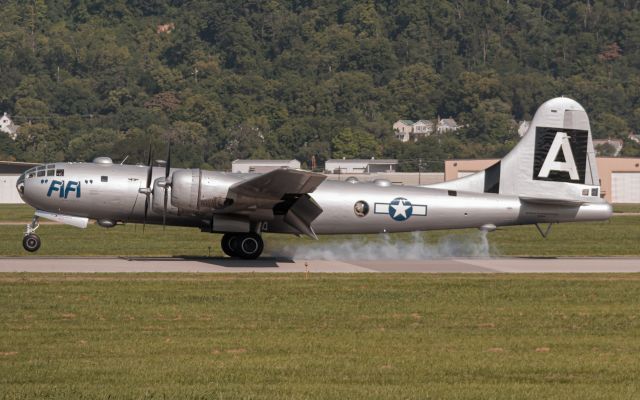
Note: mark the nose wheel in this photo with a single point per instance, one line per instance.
(247, 246)
(31, 242)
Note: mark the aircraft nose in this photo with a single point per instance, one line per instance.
(20, 185)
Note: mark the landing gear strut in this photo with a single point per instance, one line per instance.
(247, 246)
(31, 242)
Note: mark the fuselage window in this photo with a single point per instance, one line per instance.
(104, 179)
(59, 172)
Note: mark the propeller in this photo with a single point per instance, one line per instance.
(167, 183)
(147, 189)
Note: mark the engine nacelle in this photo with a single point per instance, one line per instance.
(198, 190)
(157, 200)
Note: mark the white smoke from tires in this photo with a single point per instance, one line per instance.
(389, 247)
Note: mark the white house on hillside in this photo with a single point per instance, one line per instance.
(447, 125)
(7, 126)
(403, 129)
(406, 130)
(423, 127)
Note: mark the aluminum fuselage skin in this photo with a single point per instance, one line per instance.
(119, 199)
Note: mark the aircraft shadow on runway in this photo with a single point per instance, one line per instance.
(264, 262)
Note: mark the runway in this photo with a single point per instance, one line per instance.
(226, 265)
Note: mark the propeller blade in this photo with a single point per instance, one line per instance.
(168, 164)
(164, 210)
(167, 183)
(147, 187)
(146, 211)
(149, 169)
(149, 159)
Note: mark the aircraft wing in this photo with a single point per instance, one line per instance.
(277, 183)
(279, 192)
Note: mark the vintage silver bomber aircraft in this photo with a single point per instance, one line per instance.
(549, 177)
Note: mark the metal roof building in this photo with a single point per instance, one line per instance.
(360, 166)
(262, 165)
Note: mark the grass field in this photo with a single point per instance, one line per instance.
(626, 208)
(618, 237)
(331, 336)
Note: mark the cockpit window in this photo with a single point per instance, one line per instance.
(41, 172)
(50, 172)
(51, 166)
(31, 174)
(59, 172)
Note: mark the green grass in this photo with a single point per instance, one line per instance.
(371, 336)
(16, 212)
(618, 237)
(626, 208)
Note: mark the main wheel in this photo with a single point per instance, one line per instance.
(250, 246)
(31, 242)
(229, 244)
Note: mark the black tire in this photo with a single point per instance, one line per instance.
(229, 244)
(31, 243)
(250, 246)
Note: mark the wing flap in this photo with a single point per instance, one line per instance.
(302, 213)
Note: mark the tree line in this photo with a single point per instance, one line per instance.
(306, 79)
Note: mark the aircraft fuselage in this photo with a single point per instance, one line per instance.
(112, 192)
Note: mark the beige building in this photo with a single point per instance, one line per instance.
(619, 177)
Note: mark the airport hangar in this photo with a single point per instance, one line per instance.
(619, 176)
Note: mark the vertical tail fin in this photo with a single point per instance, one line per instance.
(554, 162)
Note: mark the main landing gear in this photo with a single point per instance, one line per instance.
(247, 246)
(31, 242)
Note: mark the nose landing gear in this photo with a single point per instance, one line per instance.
(247, 246)
(31, 242)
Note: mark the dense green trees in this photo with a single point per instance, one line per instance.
(231, 79)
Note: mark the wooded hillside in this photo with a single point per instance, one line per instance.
(293, 79)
